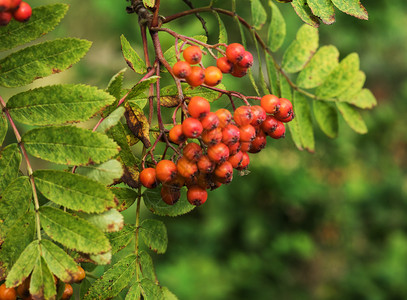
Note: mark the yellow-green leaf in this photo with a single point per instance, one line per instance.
(352, 7)
(352, 117)
(305, 13)
(131, 57)
(327, 117)
(323, 9)
(259, 15)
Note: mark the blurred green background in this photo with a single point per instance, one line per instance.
(328, 225)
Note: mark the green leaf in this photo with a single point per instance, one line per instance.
(43, 20)
(126, 197)
(223, 34)
(10, 160)
(341, 78)
(167, 294)
(352, 117)
(14, 203)
(84, 287)
(327, 117)
(24, 265)
(73, 232)
(323, 9)
(260, 74)
(111, 120)
(134, 292)
(364, 99)
(115, 85)
(141, 86)
(108, 221)
(170, 55)
(57, 104)
(319, 67)
(302, 113)
(154, 235)
(105, 173)
(259, 15)
(3, 128)
(42, 284)
(149, 3)
(119, 135)
(60, 263)
(352, 7)
(305, 13)
(101, 259)
(356, 86)
(273, 75)
(16, 240)
(138, 123)
(24, 66)
(74, 191)
(277, 28)
(152, 199)
(69, 145)
(146, 266)
(301, 50)
(122, 238)
(113, 280)
(150, 290)
(131, 57)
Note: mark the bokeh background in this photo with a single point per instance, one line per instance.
(328, 225)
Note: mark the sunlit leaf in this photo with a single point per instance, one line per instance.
(106, 173)
(352, 117)
(42, 284)
(327, 117)
(352, 7)
(108, 221)
(364, 99)
(259, 15)
(323, 9)
(131, 57)
(302, 113)
(122, 238)
(305, 13)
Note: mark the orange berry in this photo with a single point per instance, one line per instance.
(23, 289)
(270, 103)
(7, 293)
(238, 71)
(236, 159)
(235, 52)
(196, 195)
(148, 178)
(210, 121)
(5, 18)
(68, 292)
(197, 76)
(166, 171)
(259, 115)
(192, 54)
(170, 194)
(5, 5)
(176, 135)
(198, 107)
(213, 76)
(247, 133)
(224, 117)
(230, 135)
(245, 161)
(192, 128)
(186, 168)
(14, 4)
(182, 69)
(279, 132)
(233, 149)
(269, 125)
(192, 151)
(205, 165)
(286, 109)
(245, 146)
(218, 153)
(224, 172)
(80, 275)
(243, 115)
(212, 137)
(246, 61)
(259, 142)
(224, 65)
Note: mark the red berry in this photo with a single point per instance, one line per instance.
(68, 292)
(166, 171)
(243, 115)
(279, 132)
(210, 121)
(79, 276)
(245, 146)
(233, 149)
(245, 161)
(5, 18)
(197, 76)
(192, 151)
(7, 293)
(23, 12)
(148, 178)
(235, 52)
(224, 64)
(270, 103)
(246, 61)
(205, 165)
(212, 137)
(269, 125)
(192, 55)
(236, 159)
(196, 195)
(198, 107)
(170, 194)
(259, 115)
(238, 71)
(230, 135)
(224, 116)
(224, 172)
(192, 128)
(14, 4)
(5, 5)
(218, 153)
(259, 142)
(176, 135)
(286, 109)
(182, 69)
(213, 76)
(247, 133)
(288, 119)
(186, 168)
(203, 181)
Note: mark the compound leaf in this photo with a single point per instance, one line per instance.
(327, 117)
(305, 13)
(57, 104)
(73, 232)
(323, 9)
(10, 160)
(154, 235)
(150, 290)
(352, 117)
(26, 65)
(122, 238)
(277, 28)
(69, 145)
(125, 197)
(356, 86)
(146, 265)
(131, 57)
(352, 7)
(108, 221)
(105, 173)
(153, 201)
(259, 15)
(42, 284)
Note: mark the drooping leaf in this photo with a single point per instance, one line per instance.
(113, 280)
(305, 13)
(170, 55)
(146, 265)
(42, 284)
(74, 191)
(122, 238)
(131, 57)
(352, 7)
(3, 128)
(69, 145)
(105, 173)
(138, 123)
(58, 261)
(323, 9)
(364, 99)
(14, 203)
(108, 221)
(327, 117)
(111, 120)
(15, 241)
(43, 20)
(154, 235)
(277, 28)
(26, 65)
(152, 199)
(73, 232)
(352, 117)
(10, 160)
(259, 15)
(340, 78)
(301, 50)
(260, 73)
(125, 197)
(223, 34)
(319, 67)
(302, 113)
(150, 290)
(58, 104)
(273, 75)
(24, 265)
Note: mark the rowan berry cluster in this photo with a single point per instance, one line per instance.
(236, 62)
(17, 9)
(215, 143)
(23, 290)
